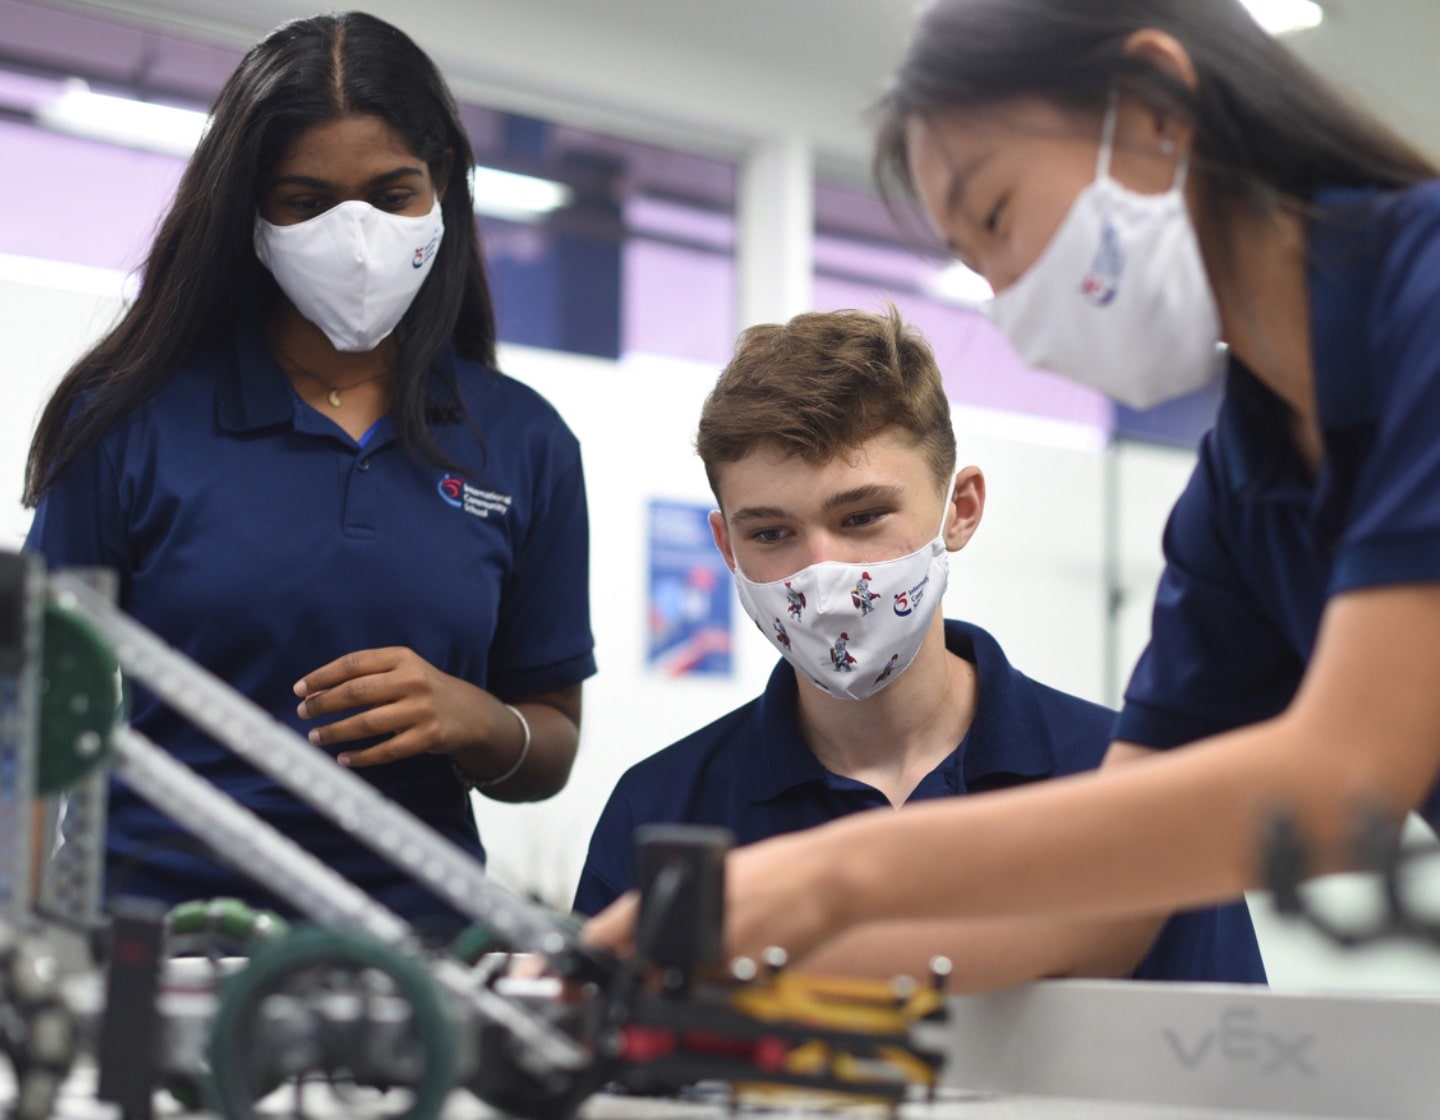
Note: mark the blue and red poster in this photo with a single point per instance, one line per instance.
(690, 593)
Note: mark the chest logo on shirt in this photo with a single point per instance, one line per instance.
(477, 502)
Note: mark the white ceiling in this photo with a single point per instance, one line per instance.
(718, 74)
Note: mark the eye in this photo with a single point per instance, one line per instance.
(865, 518)
(768, 536)
(305, 206)
(395, 200)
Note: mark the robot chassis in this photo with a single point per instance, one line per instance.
(354, 999)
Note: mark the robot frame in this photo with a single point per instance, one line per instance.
(354, 997)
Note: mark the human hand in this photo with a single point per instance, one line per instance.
(392, 691)
(780, 892)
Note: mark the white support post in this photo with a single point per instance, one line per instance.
(775, 249)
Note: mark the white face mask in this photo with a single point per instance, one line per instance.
(1119, 299)
(354, 270)
(851, 629)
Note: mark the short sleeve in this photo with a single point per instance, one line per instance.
(79, 522)
(1392, 526)
(543, 639)
(1216, 659)
(606, 874)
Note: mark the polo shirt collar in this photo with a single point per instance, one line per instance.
(1340, 270)
(1340, 273)
(252, 391)
(261, 395)
(1008, 736)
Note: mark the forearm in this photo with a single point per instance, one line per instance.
(1172, 832)
(988, 953)
(546, 765)
(501, 764)
(1151, 836)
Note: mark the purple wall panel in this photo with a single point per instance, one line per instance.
(677, 301)
(80, 201)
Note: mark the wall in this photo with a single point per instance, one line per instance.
(1035, 575)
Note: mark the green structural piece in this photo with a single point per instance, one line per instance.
(246, 1056)
(216, 927)
(473, 942)
(81, 701)
(222, 924)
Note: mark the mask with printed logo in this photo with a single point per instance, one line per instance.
(1118, 299)
(851, 629)
(354, 270)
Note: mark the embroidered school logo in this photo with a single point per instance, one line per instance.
(424, 253)
(906, 601)
(1102, 281)
(477, 502)
(452, 489)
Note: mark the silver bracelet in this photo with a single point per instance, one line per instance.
(490, 783)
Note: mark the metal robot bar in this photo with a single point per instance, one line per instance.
(310, 885)
(345, 798)
(21, 604)
(193, 803)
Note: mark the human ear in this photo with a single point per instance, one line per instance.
(721, 534)
(967, 506)
(1166, 55)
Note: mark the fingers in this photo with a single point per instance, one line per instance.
(360, 663)
(614, 927)
(389, 692)
(391, 750)
(360, 692)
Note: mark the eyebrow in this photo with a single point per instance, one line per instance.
(323, 184)
(868, 493)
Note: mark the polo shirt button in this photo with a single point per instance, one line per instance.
(364, 464)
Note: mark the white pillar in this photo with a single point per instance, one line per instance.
(775, 247)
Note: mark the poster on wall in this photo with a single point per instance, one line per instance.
(690, 594)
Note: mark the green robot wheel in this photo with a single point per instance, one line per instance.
(247, 1057)
(81, 701)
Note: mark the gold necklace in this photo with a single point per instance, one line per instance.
(332, 392)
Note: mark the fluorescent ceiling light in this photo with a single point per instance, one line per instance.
(1280, 16)
(958, 284)
(67, 277)
(119, 120)
(516, 198)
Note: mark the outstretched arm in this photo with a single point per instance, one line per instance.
(1169, 832)
(995, 952)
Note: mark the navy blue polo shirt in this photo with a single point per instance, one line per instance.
(751, 772)
(262, 541)
(1255, 546)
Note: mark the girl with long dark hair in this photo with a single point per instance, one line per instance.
(1140, 181)
(296, 452)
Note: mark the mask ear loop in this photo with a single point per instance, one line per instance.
(1107, 146)
(1182, 170)
(945, 509)
(1107, 135)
